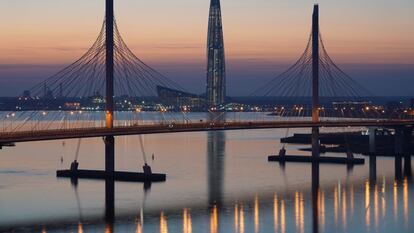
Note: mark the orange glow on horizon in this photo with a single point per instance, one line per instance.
(155, 36)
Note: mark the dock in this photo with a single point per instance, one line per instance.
(117, 176)
(321, 159)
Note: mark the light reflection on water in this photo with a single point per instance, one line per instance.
(217, 182)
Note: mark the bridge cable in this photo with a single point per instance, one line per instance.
(144, 155)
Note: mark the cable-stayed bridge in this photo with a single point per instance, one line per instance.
(110, 69)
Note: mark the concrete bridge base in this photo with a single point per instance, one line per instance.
(116, 175)
(109, 174)
(311, 159)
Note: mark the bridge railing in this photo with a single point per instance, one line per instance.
(71, 120)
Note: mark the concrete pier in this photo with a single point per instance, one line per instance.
(372, 134)
(109, 154)
(398, 168)
(372, 169)
(116, 175)
(315, 143)
(311, 159)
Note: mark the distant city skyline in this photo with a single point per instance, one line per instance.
(371, 40)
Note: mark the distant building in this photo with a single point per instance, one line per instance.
(351, 105)
(180, 99)
(72, 105)
(412, 103)
(97, 98)
(216, 67)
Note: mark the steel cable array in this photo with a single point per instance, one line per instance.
(291, 91)
(85, 80)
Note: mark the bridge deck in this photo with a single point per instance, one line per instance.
(187, 127)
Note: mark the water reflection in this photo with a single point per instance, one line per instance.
(408, 172)
(315, 198)
(372, 168)
(398, 168)
(275, 213)
(139, 227)
(187, 223)
(214, 220)
(241, 219)
(256, 214)
(80, 228)
(216, 146)
(163, 223)
(371, 202)
(109, 204)
(286, 212)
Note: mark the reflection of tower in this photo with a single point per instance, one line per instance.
(215, 154)
(216, 68)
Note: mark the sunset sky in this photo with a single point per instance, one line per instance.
(372, 40)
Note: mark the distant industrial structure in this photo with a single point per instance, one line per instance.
(180, 99)
(216, 67)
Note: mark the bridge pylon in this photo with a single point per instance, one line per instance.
(315, 80)
(109, 103)
(109, 174)
(315, 64)
(109, 63)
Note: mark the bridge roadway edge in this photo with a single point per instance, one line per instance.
(50, 135)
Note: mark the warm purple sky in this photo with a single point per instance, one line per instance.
(373, 40)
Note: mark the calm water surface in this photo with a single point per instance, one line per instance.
(217, 182)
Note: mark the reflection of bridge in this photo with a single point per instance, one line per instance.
(192, 127)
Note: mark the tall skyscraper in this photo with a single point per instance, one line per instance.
(216, 67)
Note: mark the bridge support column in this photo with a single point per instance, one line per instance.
(402, 140)
(109, 155)
(398, 168)
(315, 142)
(372, 140)
(109, 63)
(315, 81)
(372, 168)
(315, 64)
(399, 142)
